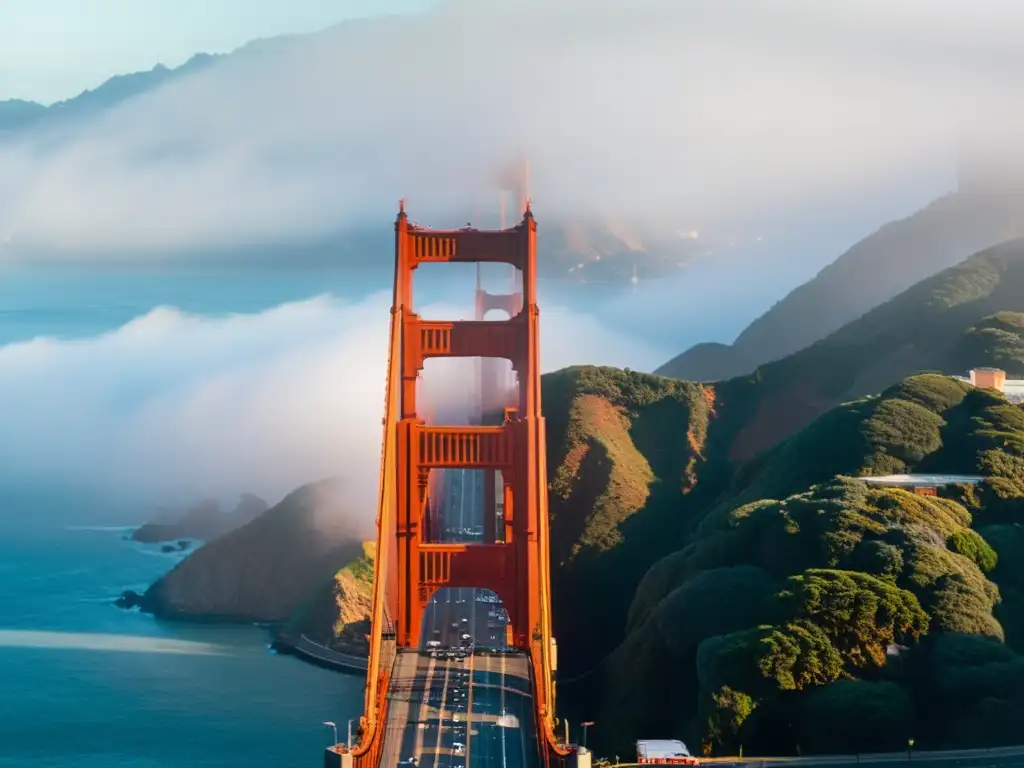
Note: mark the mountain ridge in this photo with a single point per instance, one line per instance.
(872, 271)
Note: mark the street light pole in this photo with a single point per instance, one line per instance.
(348, 744)
(585, 726)
(330, 724)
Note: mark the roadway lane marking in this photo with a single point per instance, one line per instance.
(424, 712)
(504, 749)
(440, 715)
(469, 710)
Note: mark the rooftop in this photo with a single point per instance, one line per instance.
(922, 480)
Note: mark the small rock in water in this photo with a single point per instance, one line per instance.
(129, 599)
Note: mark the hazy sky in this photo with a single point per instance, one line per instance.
(54, 49)
(683, 111)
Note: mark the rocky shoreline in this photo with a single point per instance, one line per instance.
(298, 569)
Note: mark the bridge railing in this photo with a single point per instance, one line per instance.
(381, 624)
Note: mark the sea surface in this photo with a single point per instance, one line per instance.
(84, 684)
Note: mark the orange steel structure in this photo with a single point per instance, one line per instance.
(410, 566)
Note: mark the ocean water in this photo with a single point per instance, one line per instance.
(84, 684)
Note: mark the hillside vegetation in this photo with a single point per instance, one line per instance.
(810, 610)
(966, 316)
(624, 449)
(873, 271)
(338, 614)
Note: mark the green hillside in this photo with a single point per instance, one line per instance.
(769, 628)
(624, 450)
(966, 316)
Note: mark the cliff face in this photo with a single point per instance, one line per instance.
(338, 615)
(264, 570)
(873, 271)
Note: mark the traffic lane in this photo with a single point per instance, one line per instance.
(409, 686)
(487, 738)
(443, 720)
(430, 740)
(420, 716)
(431, 698)
(504, 711)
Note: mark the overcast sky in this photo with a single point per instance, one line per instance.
(54, 49)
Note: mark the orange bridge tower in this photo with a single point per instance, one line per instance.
(513, 561)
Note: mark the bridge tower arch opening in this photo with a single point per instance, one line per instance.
(461, 616)
(467, 506)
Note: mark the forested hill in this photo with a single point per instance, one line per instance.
(969, 315)
(772, 625)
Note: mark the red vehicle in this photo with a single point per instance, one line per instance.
(664, 752)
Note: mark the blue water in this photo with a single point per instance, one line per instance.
(222, 700)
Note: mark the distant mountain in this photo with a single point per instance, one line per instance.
(944, 323)
(874, 270)
(204, 521)
(597, 251)
(16, 115)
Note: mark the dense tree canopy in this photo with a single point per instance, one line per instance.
(810, 610)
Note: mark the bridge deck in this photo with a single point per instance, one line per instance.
(483, 703)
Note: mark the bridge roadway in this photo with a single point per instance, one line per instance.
(481, 702)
